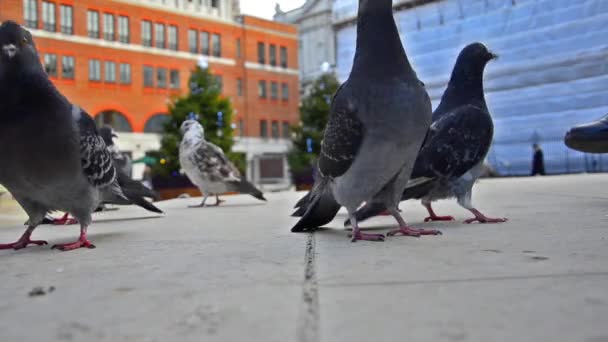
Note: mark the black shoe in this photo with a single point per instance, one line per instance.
(591, 137)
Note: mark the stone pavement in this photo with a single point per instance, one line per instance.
(236, 273)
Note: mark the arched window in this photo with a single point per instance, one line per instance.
(155, 123)
(117, 120)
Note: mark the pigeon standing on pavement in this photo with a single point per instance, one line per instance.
(377, 123)
(121, 161)
(208, 168)
(458, 141)
(134, 191)
(52, 155)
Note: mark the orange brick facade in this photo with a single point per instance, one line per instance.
(138, 103)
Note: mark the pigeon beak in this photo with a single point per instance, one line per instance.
(10, 50)
(114, 135)
(493, 55)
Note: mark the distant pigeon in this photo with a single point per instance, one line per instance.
(458, 141)
(590, 137)
(121, 161)
(208, 168)
(377, 123)
(52, 156)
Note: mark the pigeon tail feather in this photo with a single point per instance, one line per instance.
(322, 208)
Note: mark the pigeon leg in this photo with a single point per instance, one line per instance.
(481, 218)
(218, 201)
(433, 216)
(65, 220)
(406, 230)
(202, 205)
(82, 242)
(357, 235)
(23, 241)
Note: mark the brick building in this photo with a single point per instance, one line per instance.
(123, 60)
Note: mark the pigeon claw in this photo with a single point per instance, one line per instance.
(366, 237)
(22, 243)
(65, 221)
(82, 243)
(412, 232)
(439, 218)
(486, 220)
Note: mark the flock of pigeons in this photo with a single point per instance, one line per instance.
(382, 144)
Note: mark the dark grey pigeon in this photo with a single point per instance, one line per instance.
(457, 143)
(378, 120)
(53, 157)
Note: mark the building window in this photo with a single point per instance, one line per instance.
(216, 42)
(148, 76)
(94, 70)
(239, 87)
(125, 73)
(174, 79)
(108, 26)
(159, 35)
(146, 33)
(285, 91)
(48, 16)
(67, 19)
(156, 123)
(262, 89)
(272, 51)
(93, 24)
(124, 35)
(261, 53)
(173, 42)
(50, 64)
(110, 72)
(286, 130)
(192, 41)
(283, 57)
(264, 129)
(220, 82)
(215, 4)
(241, 127)
(161, 78)
(67, 67)
(238, 48)
(117, 120)
(275, 130)
(30, 13)
(274, 90)
(205, 43)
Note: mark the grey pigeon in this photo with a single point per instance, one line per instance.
(134, 191)
(53, 158)
(377, 122)
(458, 141)
(208, 168)
(121, 161)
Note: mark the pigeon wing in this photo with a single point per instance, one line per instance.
(96, 159)
(343, 136)
(211, 160)
(456, 143)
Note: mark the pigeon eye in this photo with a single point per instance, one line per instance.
(24, 40)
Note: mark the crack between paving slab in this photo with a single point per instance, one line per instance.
(308, 322)
(469, 280)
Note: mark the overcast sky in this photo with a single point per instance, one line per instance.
(265, 8)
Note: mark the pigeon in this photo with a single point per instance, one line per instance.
(121, 161)
(457, 143)
(377, 122)
(53, 156)
(590, 137)
(133, 190)
(208, 168)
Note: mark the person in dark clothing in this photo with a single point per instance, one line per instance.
(538, 163)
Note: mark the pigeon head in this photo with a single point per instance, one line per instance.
(17, 50)
(108, 135)
(192, 126)
(477, 53)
